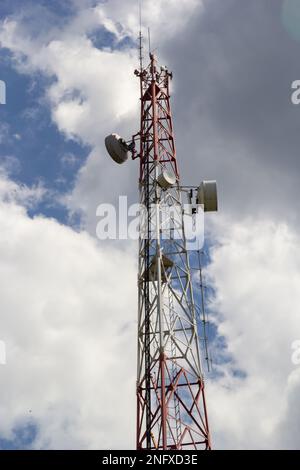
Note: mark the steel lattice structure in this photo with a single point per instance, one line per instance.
(171, 407)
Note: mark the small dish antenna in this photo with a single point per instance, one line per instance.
(166, 179)
(117, 148)
(207, 196)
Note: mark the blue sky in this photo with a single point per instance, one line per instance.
(33, 139)
(59, 11)
(23, 436)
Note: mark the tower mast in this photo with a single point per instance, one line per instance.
(171, 406)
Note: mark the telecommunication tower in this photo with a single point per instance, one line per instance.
(171, 405)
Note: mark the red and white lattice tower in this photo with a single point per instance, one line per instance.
(171, 406)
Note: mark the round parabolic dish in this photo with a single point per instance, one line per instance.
(116, 148)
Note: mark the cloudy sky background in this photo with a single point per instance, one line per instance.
(68, 301)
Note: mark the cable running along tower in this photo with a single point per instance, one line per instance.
(171, 405)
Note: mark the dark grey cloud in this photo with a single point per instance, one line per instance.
(232, 105)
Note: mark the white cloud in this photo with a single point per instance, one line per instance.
(169, 17)
(78, 66)
(68, 333)
(80, 107)
(255, 271)
(12, 192)
(69, 159)
(69, 337)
